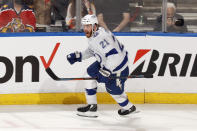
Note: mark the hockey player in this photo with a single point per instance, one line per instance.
(111, 61)
(17, 17)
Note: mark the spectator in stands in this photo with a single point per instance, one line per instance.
(17, 17)
(87, 8)
(59, 9)
(173, 1)
(50, 12)
(113, 15)
(175, 22)
(42, 12)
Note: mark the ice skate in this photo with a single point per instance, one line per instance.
(124, 112)
(89, 110)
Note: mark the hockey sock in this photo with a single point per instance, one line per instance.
(123, 101)
(91, 96)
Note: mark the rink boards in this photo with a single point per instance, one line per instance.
(171, 58)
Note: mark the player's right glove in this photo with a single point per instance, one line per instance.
(74, 57)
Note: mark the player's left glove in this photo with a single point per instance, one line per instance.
(74, 57)
(103, 76)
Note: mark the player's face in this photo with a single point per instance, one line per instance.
(88, 30)
(170, 16)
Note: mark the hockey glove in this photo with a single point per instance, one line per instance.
(74, 57)
(103, 76)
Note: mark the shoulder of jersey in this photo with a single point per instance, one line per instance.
(101, 32)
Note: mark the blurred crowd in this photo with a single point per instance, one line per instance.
(60, 15)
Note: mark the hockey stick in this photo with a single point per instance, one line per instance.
(55, 77)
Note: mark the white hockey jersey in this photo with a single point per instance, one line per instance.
(107, 50)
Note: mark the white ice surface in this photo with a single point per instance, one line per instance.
(152, 117)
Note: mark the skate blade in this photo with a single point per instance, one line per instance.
(88, 114)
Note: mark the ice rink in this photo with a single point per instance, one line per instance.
(152, 117)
